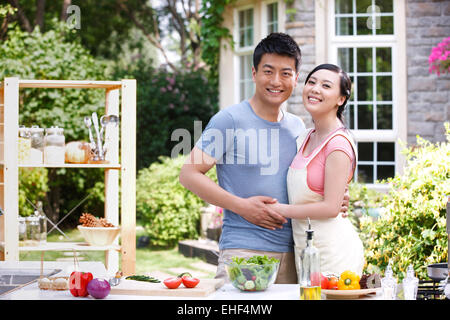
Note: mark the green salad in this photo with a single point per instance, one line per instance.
(253, 274)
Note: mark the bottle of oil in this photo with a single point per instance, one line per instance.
(310, 269)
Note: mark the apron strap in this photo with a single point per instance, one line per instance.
(337, 132)
(302, 138)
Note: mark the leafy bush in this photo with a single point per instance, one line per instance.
(33, 186)
(362, 202)
(168, 211)
(412, 230)
(168, 101)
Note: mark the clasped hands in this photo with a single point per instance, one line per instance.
(261, 211)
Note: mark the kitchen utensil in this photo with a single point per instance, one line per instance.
(437, 271)
(97, 132)
(88, 123)
(141, 288)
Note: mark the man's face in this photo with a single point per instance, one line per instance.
(275, 79)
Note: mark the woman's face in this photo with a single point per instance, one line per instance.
(322, 93)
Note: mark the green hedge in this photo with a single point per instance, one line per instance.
(168, 211)
(412, 230)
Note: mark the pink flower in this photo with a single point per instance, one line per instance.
(439, 57)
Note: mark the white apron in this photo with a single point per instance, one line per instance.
(336, 239)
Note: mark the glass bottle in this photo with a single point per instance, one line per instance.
(389, 284)
(310, 269)
(42, 222)
(33, 230)
(410, 284)
(54, 146)
(22, 230)
(37, 145)
(24, 145)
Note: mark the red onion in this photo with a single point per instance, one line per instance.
(98, 288)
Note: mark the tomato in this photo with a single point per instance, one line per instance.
(189, 282)
(173, 282)
(333, 283)
(323, 282)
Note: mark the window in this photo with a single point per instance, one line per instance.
(253, 22)
(364, 44)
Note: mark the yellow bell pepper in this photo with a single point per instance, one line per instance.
(348, 281)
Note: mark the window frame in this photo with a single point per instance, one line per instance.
(259, 32)
(395, 41)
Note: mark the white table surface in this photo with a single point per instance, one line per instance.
(226, 292)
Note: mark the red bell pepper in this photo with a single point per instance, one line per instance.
(78, 282)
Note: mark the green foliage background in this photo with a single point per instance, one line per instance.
(168, 101)
(412, 230)
(168, 211)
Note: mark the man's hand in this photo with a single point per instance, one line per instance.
(256, 211)
(345, 203)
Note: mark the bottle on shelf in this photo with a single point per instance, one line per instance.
(22, 230)
(42, 222)
(33, 230)
(54, 146)
(24, 145)
(389, 284)
(310, 269)
(37, 145)
(410, 284)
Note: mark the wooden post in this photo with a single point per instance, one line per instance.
(2, 167)
(11, 170)
(128, 175)
(112, 175)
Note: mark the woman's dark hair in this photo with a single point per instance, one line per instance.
(345, 85)
(279, 43)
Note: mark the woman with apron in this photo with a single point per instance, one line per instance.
(320, 172)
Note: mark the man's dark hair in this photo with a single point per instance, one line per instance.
(279, 43)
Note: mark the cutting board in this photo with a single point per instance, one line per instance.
(142, 288)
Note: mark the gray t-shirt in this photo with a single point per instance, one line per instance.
(253, 156)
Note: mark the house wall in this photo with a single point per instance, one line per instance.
(427, 24)
(302, 29)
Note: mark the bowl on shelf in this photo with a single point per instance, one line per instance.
(99, 236)
(252, 277)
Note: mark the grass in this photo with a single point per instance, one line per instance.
(147, 259)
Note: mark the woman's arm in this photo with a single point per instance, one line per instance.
(337, 167)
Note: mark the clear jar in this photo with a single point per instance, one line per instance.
(37, 145)
(33, 230)
(22, 229)
(24, 145)
(54, 146)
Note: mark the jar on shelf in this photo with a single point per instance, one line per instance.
(37, 145)
(33, 230)
(24, 145)
(54, 146)
(22, 230)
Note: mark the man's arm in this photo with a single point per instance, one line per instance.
(253, 209)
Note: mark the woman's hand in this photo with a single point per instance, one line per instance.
(345, 203)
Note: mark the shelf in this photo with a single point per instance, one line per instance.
(66, 246)
(72, 165)
(59, 84)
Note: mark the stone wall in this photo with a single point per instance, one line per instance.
(302, 29)
(428, 96)
(427, 24)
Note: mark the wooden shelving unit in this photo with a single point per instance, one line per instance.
(120, 98)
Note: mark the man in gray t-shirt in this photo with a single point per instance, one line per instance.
(252, 145)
